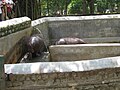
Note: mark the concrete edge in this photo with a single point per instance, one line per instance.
(76, 66)
(14, 21)
(68, 18)
(85, 45)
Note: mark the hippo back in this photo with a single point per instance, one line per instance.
(70, 40)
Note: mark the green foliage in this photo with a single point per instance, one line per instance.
(37, 8)
(51, 7)
(102, 5)
(43, 7)
(75, 7)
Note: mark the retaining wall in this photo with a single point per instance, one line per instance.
(104, 79)
(98, 74)
(92, 29)
(11, 35)
(83, 51)
(53, 28)
(89, 27)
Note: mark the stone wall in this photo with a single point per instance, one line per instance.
(103, 79)
(85, 28)
(11, 33)
(83, 51)
(53, 28)
(90, 27)
(98, 74)
(14, 25)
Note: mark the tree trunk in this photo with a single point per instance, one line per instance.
(39, 8)
(26, 7)
(84, 7)
(48, 7)
(31, 9)
(91, 5)
(65, 12)
(35, 9)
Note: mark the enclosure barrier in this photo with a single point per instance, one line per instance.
(94, 74)
(94, 29)
(12, 32)
(91, 74)
(83, 51)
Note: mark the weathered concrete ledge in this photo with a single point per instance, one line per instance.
(102, 40)
(68, 18)
(14, 25)
(83, 51)
(49, 67)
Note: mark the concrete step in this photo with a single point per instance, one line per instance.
(83, 51)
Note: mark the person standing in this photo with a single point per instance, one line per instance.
(9, 4)
(9, 11)
(0, 10)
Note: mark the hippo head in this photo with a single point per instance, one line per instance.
(35, 45)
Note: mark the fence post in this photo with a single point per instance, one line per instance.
(2, 73)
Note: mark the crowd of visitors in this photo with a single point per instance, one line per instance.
(7, 9)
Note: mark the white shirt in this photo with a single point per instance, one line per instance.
(0, 7)
(9, 1)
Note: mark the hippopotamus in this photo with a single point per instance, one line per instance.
(70, 40)
(34, 46)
